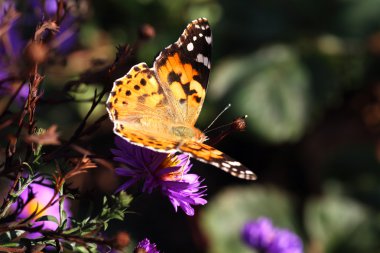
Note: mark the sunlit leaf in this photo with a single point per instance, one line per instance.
(339, 224)
(272, 87)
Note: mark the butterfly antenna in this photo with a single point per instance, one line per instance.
(212, 122)
(238, 125)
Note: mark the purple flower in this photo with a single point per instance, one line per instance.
(146, 247)
(286, 242)
(260, 234)
(168, 172)
(42, 196)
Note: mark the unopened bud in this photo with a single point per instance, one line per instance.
(239, 124)
(147, 32)
(122, 240)
(37, 52)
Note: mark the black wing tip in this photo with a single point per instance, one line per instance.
(200, 20)
(249, 175)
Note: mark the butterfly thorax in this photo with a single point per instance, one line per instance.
(187, 132)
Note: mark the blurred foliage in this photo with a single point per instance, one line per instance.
(307, 75)
(272, 87)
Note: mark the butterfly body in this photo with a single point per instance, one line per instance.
(158, 107)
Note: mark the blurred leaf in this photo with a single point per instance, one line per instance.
(335, 224)
(272, 87)
(69, 245)
(125, 199)
(10, 235)
(359, 17)
(225, 215)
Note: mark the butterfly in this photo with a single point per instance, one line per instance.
(157, 107)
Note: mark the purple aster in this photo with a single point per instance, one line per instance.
(260, 234)
(146, 247)
(42, 195)
(168, 172)
(285, 242)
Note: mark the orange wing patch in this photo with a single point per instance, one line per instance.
(181, 79)
(146, 140)
(137, 91)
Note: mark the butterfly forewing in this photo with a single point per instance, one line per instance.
(184, 68)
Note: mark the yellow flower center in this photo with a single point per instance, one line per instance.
(35, 206)
(171, 161)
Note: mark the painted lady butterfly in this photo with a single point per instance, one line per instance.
(157, 107)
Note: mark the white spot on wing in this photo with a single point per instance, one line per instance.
(208, 39)
(200, 35)
(234, 163)
(205, 61)
(190, 46)
(226, 165)
(200, 58)
(194, 38)
(215, 164)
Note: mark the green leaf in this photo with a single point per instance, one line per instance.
(125, 199)
(85, 220)
(63, 225)
(9, 244)
(63, 215)
(48, 218)
(339, 224)
(68, 245)
(30, 169)
(81, 249)
(70, 196)
(272, 87)
(9, 236)
(72, 230)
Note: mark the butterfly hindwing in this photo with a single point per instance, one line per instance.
(184, 68)
(217, 158)
(146, 139)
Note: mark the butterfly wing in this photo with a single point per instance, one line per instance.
(217, 158)
(140, 112)
(183, 69)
